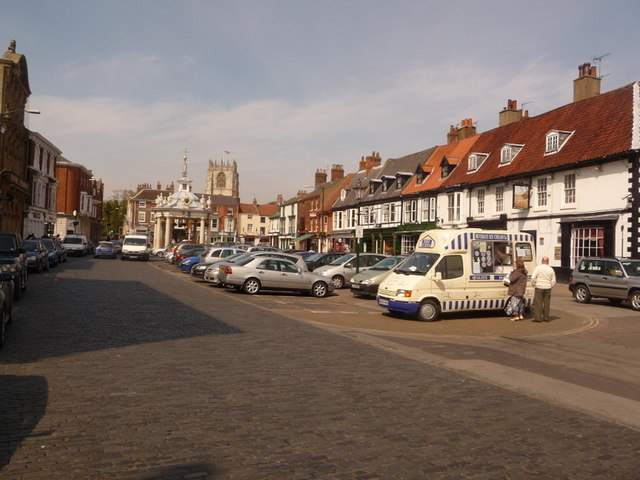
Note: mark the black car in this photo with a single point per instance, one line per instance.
(37, 255)
(14, 260)
(319, 259)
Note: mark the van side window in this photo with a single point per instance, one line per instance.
(451, 267)
(524, 252)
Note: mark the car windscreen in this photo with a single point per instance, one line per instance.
(417, 263)
(31, 246)
(387, 264)
(341, 260)
(135, 241)
(244, 261)
(72, 240)
(314, 257)
(105, 245)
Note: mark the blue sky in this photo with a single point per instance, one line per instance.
(290, 86)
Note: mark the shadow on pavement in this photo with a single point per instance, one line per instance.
(23, 401)
(68, 317)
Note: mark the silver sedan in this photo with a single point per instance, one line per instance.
(267, 273)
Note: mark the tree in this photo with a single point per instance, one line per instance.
(113, 214)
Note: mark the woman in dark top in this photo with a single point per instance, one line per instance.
(517, 287)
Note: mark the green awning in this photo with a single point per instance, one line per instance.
(303, 237)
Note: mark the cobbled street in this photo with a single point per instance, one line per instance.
(115, 370)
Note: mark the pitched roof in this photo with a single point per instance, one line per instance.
(600, 126)
(452, 152)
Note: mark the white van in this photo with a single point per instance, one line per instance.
(457, 270)
(135, 246)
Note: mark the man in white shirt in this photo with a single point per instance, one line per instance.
(543, 279)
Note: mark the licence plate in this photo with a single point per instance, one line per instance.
(383, 301)
(355, 285)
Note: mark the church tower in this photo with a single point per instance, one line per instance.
(222, 178)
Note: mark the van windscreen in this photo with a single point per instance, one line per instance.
(417, 263)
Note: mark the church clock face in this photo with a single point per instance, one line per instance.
(186, 201)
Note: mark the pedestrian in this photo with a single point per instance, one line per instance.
(543, 279)
(517, 288)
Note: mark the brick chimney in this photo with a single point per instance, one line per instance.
(337, 171)
(369, 162)
(587, 84)
(321, 177)
(509, 114)
(279, 199)
(467, 129)
(452, 136)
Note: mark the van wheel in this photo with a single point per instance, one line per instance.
(634, 300)
(429, 311)
(581, 294)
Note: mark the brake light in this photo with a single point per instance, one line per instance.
(227, 270)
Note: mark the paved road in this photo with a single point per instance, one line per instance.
(117, 370)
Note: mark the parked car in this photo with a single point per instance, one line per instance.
(210, 270)
(262, 248)
(211, 274)
(366, 283)
(37, 255)
(616, 279)
(320, 259)
(13, 259)
(105, 250)
(76, 245)
(180, 252)
(52, 250)
(193, 257)
(6, 302)
(341, 270)
(254, 274)
(212, 255)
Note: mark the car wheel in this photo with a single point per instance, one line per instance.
(320, 289)
(634, 300)
(581, 294)
(429, 311)
(251, 286)
(338, 282)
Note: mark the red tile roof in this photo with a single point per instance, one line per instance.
(602, 127)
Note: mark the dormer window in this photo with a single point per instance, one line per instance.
(555, 140)
(421, 174)
(509, 152)
(386, 182)
(447, 165)
(475, 161)
(401, 178)
(373, 185)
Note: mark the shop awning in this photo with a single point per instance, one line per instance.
(303, 237)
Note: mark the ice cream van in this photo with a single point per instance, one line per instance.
(457, 270)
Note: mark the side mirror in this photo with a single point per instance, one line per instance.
(438, 276)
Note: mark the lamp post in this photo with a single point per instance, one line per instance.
(359, 191)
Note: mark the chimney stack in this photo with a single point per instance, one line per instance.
(321, 177)
(587, 85)
(337, 171)
(465, 130)
(370, 162)
(509, 114)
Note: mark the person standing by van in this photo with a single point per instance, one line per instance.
(543, 279)
(517, 288)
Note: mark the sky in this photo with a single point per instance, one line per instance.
(288, 87)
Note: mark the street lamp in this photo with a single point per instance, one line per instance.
(359, 191)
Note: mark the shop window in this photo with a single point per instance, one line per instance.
(586, 242)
